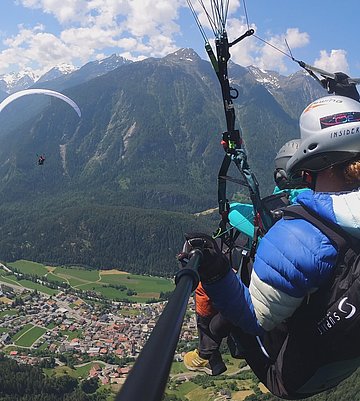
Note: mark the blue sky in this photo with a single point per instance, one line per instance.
(38, 34)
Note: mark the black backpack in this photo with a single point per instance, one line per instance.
(323, 335)
(319, 345)
(336, 305)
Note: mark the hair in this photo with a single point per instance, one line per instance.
(352, 172)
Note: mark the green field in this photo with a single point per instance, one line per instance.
(22, 331)
(178, 367)
(185, 389)
(108, 292)
(11, 279)
(36, 286)
(43, 346)
(72, 334)
(8, 279)
(135, 282)
(79, 372)
(28, 267)
(28, 339)
(8, 312)
(129, 312)
(193, 392)
(92, 280)
(76, 272)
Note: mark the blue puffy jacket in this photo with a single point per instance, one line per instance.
(293, 260)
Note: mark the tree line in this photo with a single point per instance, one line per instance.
(139, 241)
(20, 382)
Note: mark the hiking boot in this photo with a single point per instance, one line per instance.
(213, 366)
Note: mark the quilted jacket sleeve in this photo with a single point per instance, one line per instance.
(293, 259)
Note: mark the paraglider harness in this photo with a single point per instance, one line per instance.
(232, 143)
(322, 333)
(266, 210)
(324, 330)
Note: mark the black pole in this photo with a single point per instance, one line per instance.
(148, 377)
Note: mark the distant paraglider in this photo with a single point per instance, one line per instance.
(41, 160)
(48, 92)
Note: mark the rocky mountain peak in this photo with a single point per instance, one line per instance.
(271, 79)
(57, 71)
(183, 54)
(15, 81)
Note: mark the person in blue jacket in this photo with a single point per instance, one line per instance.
(295, 259)
(207, 358)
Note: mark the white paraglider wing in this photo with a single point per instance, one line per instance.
(48, 92)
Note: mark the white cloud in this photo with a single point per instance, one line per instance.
(65, 11)
(243, 52)
(296, 39)
(272, 59)
(203, 15)
(139, 28)
(34, 48)
(252, 51)
(87, 40)
(335, 61)
(148, 17)
(135, 29)
(130, 56)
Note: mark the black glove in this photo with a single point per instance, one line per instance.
(214, 264)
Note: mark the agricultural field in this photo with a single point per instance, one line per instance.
(28, 338)
(238, 380)
(80, 372)
(111, 284)
(72, 334)
(210, 390)
(36, 286)
(8, 312)
(26, 328)
(8, 279)
(28, 267)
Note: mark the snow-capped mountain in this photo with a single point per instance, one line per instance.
(14, 82)
(270, 79)
(56, 72)
(184, 54)
(100, 67)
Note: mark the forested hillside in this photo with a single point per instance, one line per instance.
(120, 185)
(143, 241)
(28, 383)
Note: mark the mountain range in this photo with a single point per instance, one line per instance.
(13, 82)
(121, 185)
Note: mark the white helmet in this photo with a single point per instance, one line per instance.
(330, 134)
(281, 159)
(286, 152)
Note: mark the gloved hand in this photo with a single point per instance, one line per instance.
(214, 264)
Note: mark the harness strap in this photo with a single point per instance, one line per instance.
(337, 235)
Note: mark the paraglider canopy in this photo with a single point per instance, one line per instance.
(48, 92)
